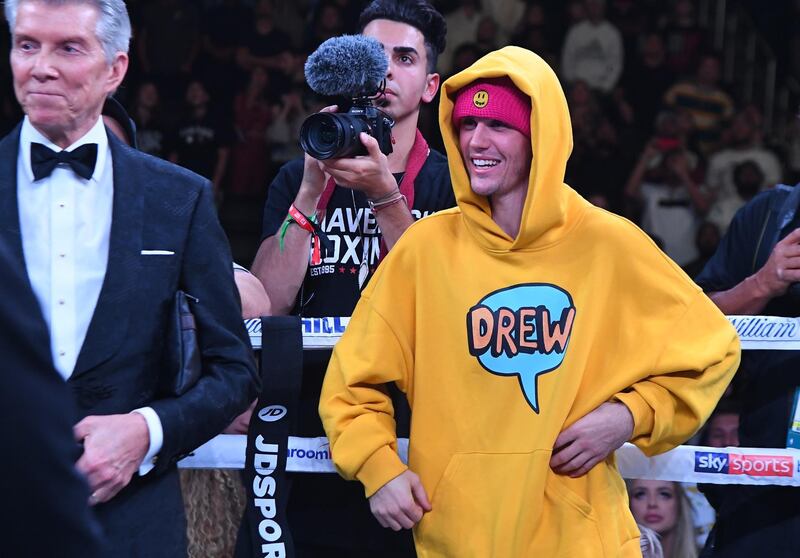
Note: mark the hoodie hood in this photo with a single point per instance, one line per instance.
(549, 201)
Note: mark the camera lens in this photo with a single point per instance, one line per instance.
(328, 135)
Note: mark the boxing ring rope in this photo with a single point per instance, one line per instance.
(753, 466)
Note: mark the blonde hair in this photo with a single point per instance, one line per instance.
(684, 545)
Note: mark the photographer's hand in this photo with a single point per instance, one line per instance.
(370, 174)
(281, 265)
(367, 173)
(315, 178)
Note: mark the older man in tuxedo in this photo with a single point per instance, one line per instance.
(107, 235)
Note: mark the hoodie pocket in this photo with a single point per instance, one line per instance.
(506, 505)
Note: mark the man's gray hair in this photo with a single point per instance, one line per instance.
(113, 23)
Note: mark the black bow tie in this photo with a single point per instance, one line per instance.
(81, 159)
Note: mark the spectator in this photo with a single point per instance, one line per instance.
(791, 140)
(748, 179)
(575, 12)
(486, 36)
(645, 81)
(663, 507)
(706, 241)
(670, 199)
(722, 428)
(37, 412)
(684, 38)
(506, 15)
(265, 44)
(169, 42)
(462, 28)
(593, 51)
(752, 272)
(535, 32)
(597, 144)
(283, 131)
(720, 431)
(764, 169)
(709, 106)
(222, 32)
(215, 499)
(464, 56)
(329, 517)
(326, 23)
(202, 140)
(632, 19)
(105, 271)
(249, 155)
(152, 130)
(497, 489)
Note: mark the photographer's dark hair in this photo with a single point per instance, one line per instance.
(417, 13)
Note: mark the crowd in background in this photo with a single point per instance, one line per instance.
(217, 86)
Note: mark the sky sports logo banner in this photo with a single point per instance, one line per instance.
(744, 464)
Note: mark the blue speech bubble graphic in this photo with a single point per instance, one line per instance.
(522, 331)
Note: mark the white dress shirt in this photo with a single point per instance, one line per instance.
(65, 222)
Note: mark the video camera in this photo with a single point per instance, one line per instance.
(351, 66)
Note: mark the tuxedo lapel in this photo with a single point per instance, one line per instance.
(9, 211)
(109, 325)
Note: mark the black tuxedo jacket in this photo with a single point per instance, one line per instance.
(157, 206)
(38, 480)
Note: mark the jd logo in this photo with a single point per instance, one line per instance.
(480, 99)
(522, 331)
(272, 413)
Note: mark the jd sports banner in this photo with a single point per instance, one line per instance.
(265, 530)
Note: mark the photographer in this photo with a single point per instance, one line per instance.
(329, 517)
(753, 272)
(671, 201)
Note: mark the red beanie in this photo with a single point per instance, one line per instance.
(496, 98)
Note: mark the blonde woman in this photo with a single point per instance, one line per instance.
(663, 507)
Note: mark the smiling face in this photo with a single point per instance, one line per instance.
(497, 157)
(408, 82)
(61, 75)
(654, 504)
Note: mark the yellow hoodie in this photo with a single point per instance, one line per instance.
(500, 343)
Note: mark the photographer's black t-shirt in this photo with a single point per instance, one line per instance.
(331, 288)
(325, 510)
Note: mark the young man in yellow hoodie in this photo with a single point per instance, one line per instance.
(532, 334)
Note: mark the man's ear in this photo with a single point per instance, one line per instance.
(431, 88)
(119, 67)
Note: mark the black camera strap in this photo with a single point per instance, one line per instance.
(265, 528)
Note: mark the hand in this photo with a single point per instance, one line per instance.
(241, 424)
(367, 173)
(679, 165)
(782, 268)
(651, 151)
(314, 174)
(591, 439)
(113, 449)
(400, 503)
